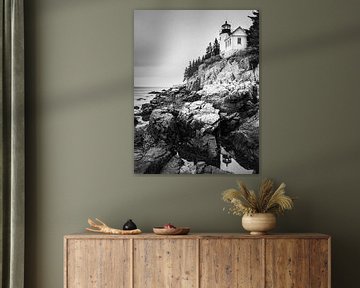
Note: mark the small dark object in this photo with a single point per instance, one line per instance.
(129, 225)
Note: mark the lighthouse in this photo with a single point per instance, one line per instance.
(231, 41)
(225, 31)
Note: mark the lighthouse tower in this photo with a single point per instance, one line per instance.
(225, 31)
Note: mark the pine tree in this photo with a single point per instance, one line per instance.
(216, 47)
(190, 68)
(253, 31)
(186, 74)
(208, 51)
(187, 71)
(211, 50)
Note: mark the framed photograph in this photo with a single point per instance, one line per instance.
(196, 91)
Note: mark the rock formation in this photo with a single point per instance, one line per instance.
(186, 126)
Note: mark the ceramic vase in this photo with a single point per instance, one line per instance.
(259, 223)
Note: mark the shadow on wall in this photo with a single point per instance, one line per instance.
(318, 42)
(91, 95)
(104, 91)
(334, 212)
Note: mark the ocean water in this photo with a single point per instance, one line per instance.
(142, 96)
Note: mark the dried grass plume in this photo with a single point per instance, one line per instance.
(244, 201)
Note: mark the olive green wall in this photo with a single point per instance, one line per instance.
(80, 127)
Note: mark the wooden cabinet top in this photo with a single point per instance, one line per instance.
(199, 236)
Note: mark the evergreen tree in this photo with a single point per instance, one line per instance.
(186, 74)
(211, 50)
(208, 51)
(190, 69)
(187, 71)
(216, 47)
(253, 31)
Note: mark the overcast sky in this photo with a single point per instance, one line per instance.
(166, 40)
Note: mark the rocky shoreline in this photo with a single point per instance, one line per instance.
(183, 129)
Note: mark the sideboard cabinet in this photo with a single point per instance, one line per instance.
(197, 261)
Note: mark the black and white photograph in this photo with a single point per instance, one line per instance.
(196, 92)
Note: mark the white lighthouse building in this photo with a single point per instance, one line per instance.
(231, 41)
